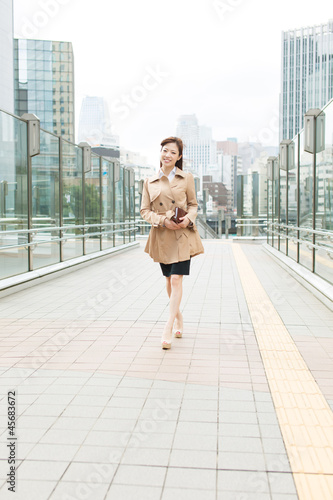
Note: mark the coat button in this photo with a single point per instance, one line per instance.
(173, 201)
(161, 203)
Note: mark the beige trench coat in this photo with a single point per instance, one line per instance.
(159, 199)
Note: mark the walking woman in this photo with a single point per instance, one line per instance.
(169, 243)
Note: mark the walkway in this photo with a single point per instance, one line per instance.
(238, 409)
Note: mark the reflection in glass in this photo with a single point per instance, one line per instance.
(292, 207)
(324, 204)
(92, 206)
(119, 208)
(45, 201)
(13, 196)
(305, 204)
(283, 209)
(107, 204)
(72, 245)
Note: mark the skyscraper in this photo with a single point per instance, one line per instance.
(95, 126)
(6, 56)
(229, 164)
(306, 74)
(200, 148)
(44, 83)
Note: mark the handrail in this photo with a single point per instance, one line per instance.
(304, 229)
(72, 236)
(62, 228)
(307, 243)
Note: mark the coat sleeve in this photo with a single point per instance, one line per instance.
(192, 204)
(146, 213)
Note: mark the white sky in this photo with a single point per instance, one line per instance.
(221, 63)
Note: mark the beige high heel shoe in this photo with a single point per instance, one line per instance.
(166, 343)
(178, 332)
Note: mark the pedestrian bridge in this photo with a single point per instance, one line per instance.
(239, 408)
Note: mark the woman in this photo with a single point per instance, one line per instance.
(169, 243)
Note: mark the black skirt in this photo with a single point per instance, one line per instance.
(182, 268)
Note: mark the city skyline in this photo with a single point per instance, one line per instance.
(218, 60)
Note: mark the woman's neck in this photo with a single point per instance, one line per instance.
(167, 170)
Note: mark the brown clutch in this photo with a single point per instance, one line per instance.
(179, 212)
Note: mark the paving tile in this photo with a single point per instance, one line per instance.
(146, 456)
(88, 491)
(128, 492)
(233, 495)
(243, 417)
(194, 442)
(193, 458)
(240, 444)
(201, 479)
(280, 483)
(98, 454)
(58, 452)
(29, 490)
(245, 430)
(150, 440)
(140, 475)
(65, 436)
(90, 472)
(245, 481)
(34, 470)
(241, 461)
(187, 494)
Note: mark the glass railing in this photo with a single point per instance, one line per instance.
(302, 225)
(251, 205)
(293, 206)
(53, 208)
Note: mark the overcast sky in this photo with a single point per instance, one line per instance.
(154, 60)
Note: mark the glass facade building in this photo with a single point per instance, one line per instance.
(44, 84)
(95, 124)
(6, 56)
(306, 74)
(200, 148)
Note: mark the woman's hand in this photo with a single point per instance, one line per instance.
(170, 224)
(185, 222)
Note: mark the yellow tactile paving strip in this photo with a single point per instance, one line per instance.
(305, 418)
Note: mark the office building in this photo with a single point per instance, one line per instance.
(44, 84)
(6, 56)
(200, 148)
(306, 74)
(95, 125)
(229, 165)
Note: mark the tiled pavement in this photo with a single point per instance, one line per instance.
(105, 413)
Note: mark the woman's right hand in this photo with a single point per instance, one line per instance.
(170, 224)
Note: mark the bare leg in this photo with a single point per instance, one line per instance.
(175, 299)
(168, 286)
(179, 316)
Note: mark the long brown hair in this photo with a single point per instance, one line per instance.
(180, 146)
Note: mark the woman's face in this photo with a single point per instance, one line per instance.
(170, 155)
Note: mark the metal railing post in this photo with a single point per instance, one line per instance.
(33, 149)
(61, 212)
(100, 200)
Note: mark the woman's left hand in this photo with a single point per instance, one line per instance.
(185, 222)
